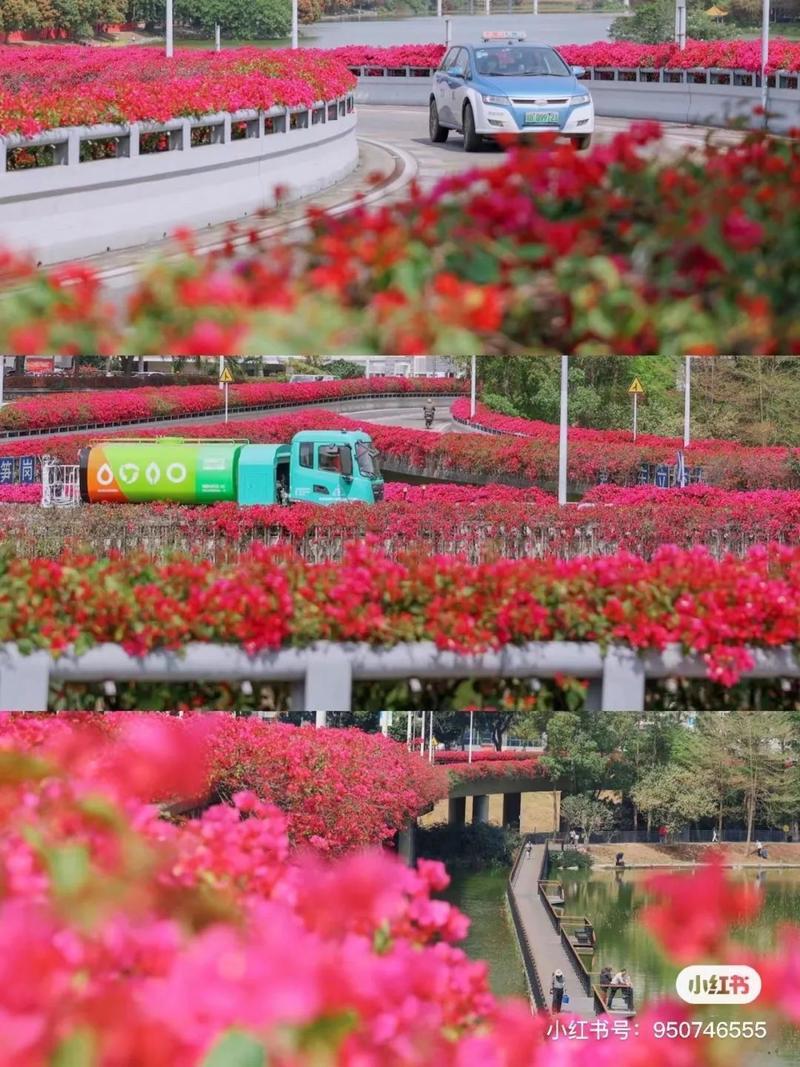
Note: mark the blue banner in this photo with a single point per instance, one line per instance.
(27, 470)
(6, 470)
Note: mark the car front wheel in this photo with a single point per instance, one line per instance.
(472, 141)
(582, 141)
(438, 132)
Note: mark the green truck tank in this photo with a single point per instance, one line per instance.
(317, 467)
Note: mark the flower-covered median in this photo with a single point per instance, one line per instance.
(733, 54)
(43, 88)
(450, 456)
(133, 405)
(270, 600)
(132, 939)
(621, 250)
(724, 463)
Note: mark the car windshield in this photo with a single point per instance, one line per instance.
(368, 459)
(520, 61)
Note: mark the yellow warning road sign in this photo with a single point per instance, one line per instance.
(636, 386)
(226, 377)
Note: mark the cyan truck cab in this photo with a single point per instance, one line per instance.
(317, 467)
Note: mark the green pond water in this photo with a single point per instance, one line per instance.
(613, 902)
(481, 896)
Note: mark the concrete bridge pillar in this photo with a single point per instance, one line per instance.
(512, 809)
(407, 843)
(480, 808)
(457, 811)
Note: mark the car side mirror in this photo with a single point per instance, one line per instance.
(346, 459)
(579, 71)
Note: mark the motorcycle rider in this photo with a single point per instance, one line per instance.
(429, 412)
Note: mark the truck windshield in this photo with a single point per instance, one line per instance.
(369, 463)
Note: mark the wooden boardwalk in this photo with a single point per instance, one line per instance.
(547, 948)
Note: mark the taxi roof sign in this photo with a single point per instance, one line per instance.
(504, 35)
(636, 386)
(226, 377)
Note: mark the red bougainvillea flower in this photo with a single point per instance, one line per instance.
(693, 913)
(780, 972)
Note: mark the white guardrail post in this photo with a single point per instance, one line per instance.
(329, 683)
(623, 680)
(24, 680)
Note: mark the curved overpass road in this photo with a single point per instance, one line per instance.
(405, 129)
(382, 412)
(394, 150)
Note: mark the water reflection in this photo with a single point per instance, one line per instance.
(613, 901)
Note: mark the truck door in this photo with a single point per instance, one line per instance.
(333, 474)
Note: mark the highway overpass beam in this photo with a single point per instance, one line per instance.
(457, 811)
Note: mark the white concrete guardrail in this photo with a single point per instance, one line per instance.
(160, 176)
(706, 97)
(323, 674)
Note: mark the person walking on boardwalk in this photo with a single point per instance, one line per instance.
(606, 975)
(557, 989)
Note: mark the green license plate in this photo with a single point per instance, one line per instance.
(541, 118)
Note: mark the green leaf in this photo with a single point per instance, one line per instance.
(327, 1033)
(77, 1050)
(69, 868)
(236, 1049)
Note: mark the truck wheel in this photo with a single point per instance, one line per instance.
(582, 141)
(472, 141)
(439, 134)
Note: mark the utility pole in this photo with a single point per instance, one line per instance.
(764, 56)
(169, 20)
(563, 432)
(687, 403)
(295, 24)
(473, 402)
(680, 24)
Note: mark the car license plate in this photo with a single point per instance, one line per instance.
(541, 118)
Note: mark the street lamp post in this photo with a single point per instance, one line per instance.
(687, 403)
(169, 43)
(473, 398)
(295, 26)
(764, 56)
(680, 24)
(562, 440)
